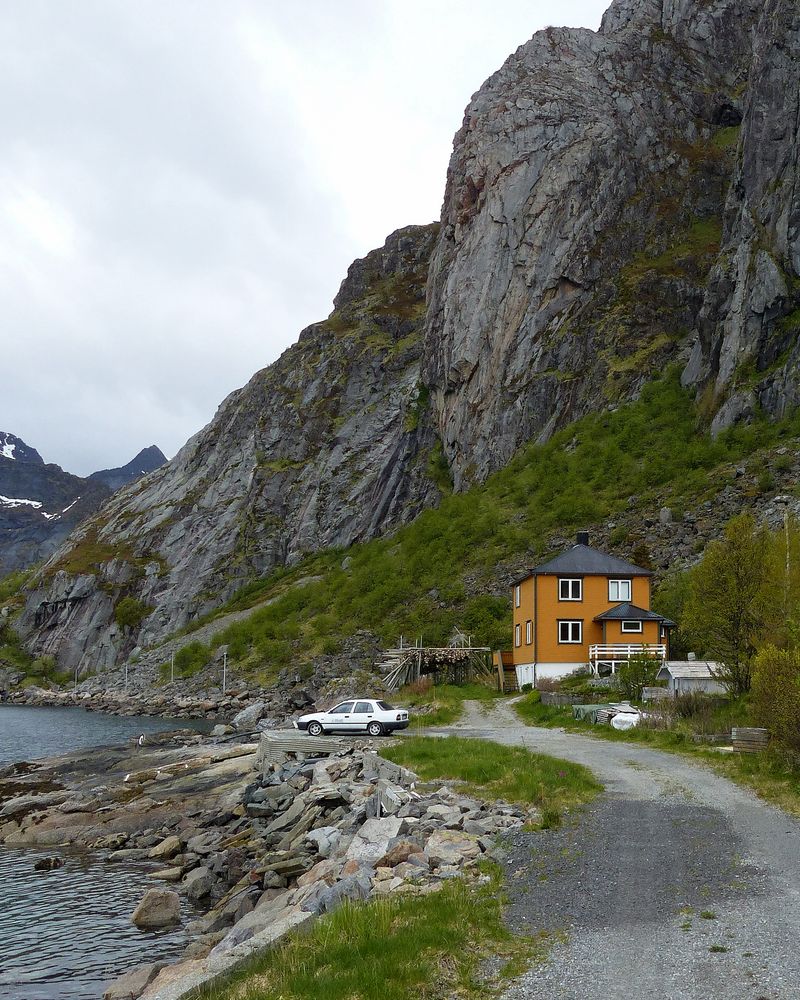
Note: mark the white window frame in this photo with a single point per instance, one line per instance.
(517, 634)
(528, 632)
(571, 641)
(618, 599)
(570, 580)
(637, 626)
(517, 595)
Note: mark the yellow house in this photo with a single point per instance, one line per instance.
(583, 608)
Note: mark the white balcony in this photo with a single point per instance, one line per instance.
(614, 653)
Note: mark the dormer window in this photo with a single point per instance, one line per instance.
(570, 589)
(619, 591)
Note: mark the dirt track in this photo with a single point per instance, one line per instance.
(628, 879)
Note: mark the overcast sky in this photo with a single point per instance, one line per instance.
(185, 183)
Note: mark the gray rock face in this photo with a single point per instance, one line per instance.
(615, 202)
(586, 175)
(324, 447)
(746, 352)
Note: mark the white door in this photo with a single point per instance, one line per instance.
(340, 717)
(363, 714)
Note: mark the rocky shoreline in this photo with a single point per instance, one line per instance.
(256, 840)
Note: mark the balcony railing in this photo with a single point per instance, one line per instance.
(614, 653)
(624, 651)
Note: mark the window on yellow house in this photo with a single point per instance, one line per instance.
(570, 590)
(619, 590)
(517, 635)
(570, 631)
(528, 633)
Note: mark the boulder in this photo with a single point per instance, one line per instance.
(353, 887)
(397, 853)
(198, 883)
(372, 838)
(247, 720)
(168, 847)
(157, 908)
(133, 983)
(451, 847)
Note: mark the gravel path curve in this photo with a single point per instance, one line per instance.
(675, 884)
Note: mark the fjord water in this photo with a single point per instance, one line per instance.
(65, 933)
(27, 733)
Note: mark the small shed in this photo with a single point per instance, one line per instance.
(683, 676)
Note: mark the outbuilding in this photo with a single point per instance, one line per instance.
(683, 676)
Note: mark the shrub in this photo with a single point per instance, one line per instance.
(636, 674)
(191, 658)
(130, 613)
(776, 695)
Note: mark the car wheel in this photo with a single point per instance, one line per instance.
(315, 729)
(375, 729)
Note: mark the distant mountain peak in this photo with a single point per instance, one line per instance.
(148, 460)
(15, 448)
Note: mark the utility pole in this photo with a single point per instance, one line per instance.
(788, 560)
(224, 671)
(126, 678)
(172, 669)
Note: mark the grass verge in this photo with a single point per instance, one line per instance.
(768, 774)
(492, 771)
(392, 949)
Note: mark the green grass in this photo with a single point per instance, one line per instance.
(441, 570)
(492, 771)
(396, 948)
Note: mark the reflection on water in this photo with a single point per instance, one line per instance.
(65, 933)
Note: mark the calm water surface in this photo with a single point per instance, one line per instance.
(27, 732)
(66, 932)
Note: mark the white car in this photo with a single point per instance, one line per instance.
(357, 716)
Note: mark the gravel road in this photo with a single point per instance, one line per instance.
(675, 884)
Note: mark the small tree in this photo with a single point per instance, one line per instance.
(637, 673)
(776, 695)
(727, 604)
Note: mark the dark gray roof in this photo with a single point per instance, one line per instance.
(631, 613)
(584, 559)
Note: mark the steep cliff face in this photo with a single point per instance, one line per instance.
(327, 446)
(615, 202)
(581, 217)
(748, 348)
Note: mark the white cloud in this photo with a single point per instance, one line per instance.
(184, 185)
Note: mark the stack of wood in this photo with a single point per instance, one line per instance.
(447, 664)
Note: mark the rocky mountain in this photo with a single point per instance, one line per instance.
(148, 460)
(616, 202)
(40, 504)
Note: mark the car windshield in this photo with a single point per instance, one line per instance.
(385, 706)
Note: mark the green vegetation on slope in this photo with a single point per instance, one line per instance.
(428, 576)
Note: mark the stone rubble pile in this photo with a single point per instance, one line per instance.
(305, 837)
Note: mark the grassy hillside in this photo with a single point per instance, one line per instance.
(450, 567)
